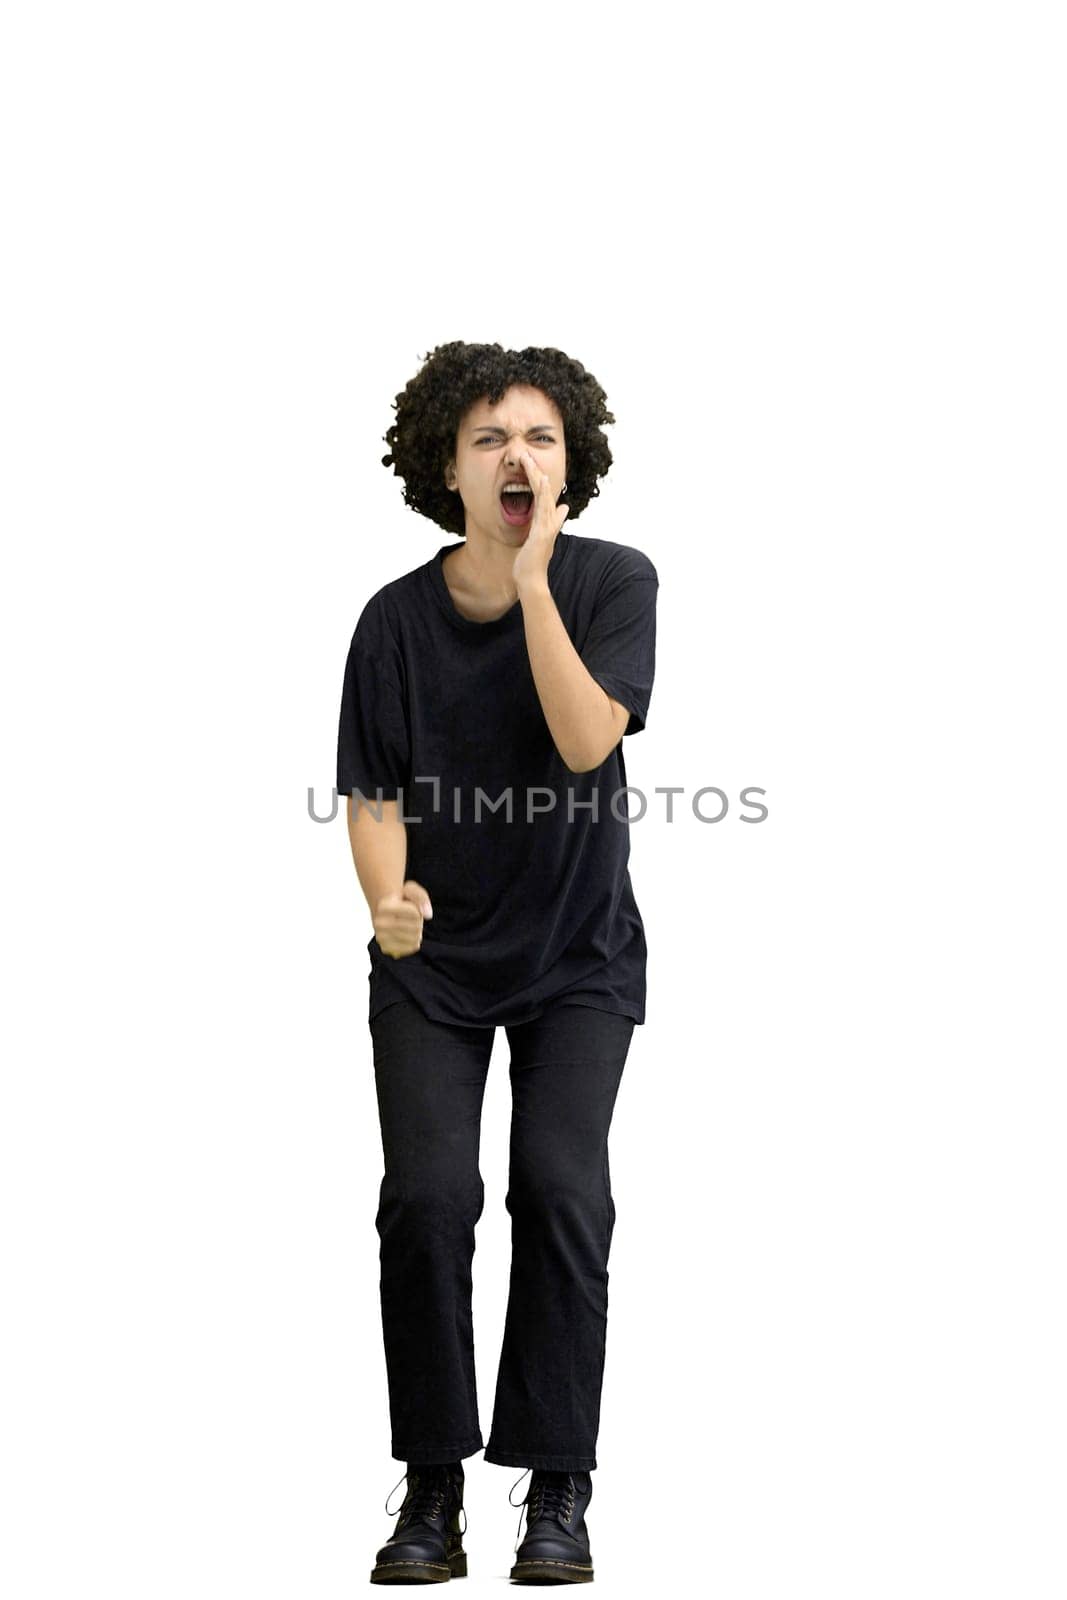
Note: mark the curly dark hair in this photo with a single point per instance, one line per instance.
(456, 376)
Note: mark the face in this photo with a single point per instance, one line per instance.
(488, 445)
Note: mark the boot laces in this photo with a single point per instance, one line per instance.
(425, 1497)
(550, 1494)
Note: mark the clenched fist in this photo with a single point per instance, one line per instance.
(398, 920)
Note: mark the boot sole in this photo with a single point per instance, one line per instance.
(421, 1571)
(551, 1572)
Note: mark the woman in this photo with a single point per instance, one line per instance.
(486, 694)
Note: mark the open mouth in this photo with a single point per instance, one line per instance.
(516, 504)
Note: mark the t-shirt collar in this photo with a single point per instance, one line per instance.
(435, 573)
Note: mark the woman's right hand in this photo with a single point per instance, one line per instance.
(398, 920)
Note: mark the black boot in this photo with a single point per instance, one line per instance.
(555, 1548)
(427, 1542)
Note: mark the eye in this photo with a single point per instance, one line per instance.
(547, 437)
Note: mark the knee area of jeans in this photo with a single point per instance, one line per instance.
(433, 1202)
(547, 1194)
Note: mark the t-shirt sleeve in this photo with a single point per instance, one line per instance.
(620, 649)
(373, 742)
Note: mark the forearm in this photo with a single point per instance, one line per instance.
(576, 707)
(379, 849)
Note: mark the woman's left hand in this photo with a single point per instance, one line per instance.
(531, 563)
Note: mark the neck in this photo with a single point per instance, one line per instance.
(486, 563)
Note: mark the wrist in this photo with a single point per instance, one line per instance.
(533, 589)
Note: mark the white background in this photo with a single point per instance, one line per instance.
(815, 255)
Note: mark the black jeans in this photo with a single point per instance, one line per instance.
(566, 1066)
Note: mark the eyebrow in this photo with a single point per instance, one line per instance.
(540, 427)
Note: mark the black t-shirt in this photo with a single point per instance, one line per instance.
(533, 908)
